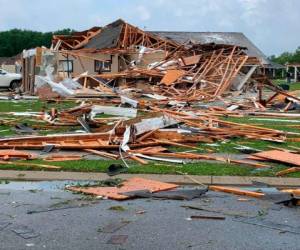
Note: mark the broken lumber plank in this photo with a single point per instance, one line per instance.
(207, 217)
(252, 164)
(56, 138)
(146, 135)
(292, 191)
(281, 149)
(159, 159)
(103, 154)
(296, 139)
(192, 156)
(151, 150)
(288, 171)
(236, 191)
(63, 158)
(29, 165)
(171, 143)
(7, 154)
(136, 158)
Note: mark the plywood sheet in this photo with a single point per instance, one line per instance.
(190, 60)
(133, 184)
(171, 76)
(281, 156)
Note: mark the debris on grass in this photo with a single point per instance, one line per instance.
(144, 107)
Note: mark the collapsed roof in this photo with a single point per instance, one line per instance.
(117, 35)
(75, 41)
(229, 38)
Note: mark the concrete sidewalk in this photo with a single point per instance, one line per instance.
(178, 179)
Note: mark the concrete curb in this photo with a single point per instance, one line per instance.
(178, 179)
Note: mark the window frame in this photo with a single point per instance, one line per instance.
(67, 61)
(102, 69)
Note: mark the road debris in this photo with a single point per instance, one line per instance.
(113, 227)
(207, 217)
(236, 191)
(25, 232)
(179, 194)
(65, 204)
(269, 224)
(117, 239)
(117, 208)
(132, 184)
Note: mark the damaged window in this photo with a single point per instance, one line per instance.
(102, 66)
(65, 66)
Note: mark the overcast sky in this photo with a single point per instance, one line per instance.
(273, 25)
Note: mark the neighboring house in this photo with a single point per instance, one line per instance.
(294, 70)
(11, 64)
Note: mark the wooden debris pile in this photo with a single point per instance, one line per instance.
(145, 138)
(146, 188)
(194, 74)
(202, 72)
(159, 94)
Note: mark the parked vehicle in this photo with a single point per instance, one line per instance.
(10, 80)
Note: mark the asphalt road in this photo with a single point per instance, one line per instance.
(43, 216)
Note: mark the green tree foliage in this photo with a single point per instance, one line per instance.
(287, 57)
(12, 42)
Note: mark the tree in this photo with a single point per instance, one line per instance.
(14, 41)
(287, 57)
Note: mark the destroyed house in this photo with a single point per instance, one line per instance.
(97, 51)
(107, 49)
(111, 51)
(111, 48)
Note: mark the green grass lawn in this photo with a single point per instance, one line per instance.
(282, 124)
(293, 85)
(192, 168)
(31, 106)
(260, 144)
